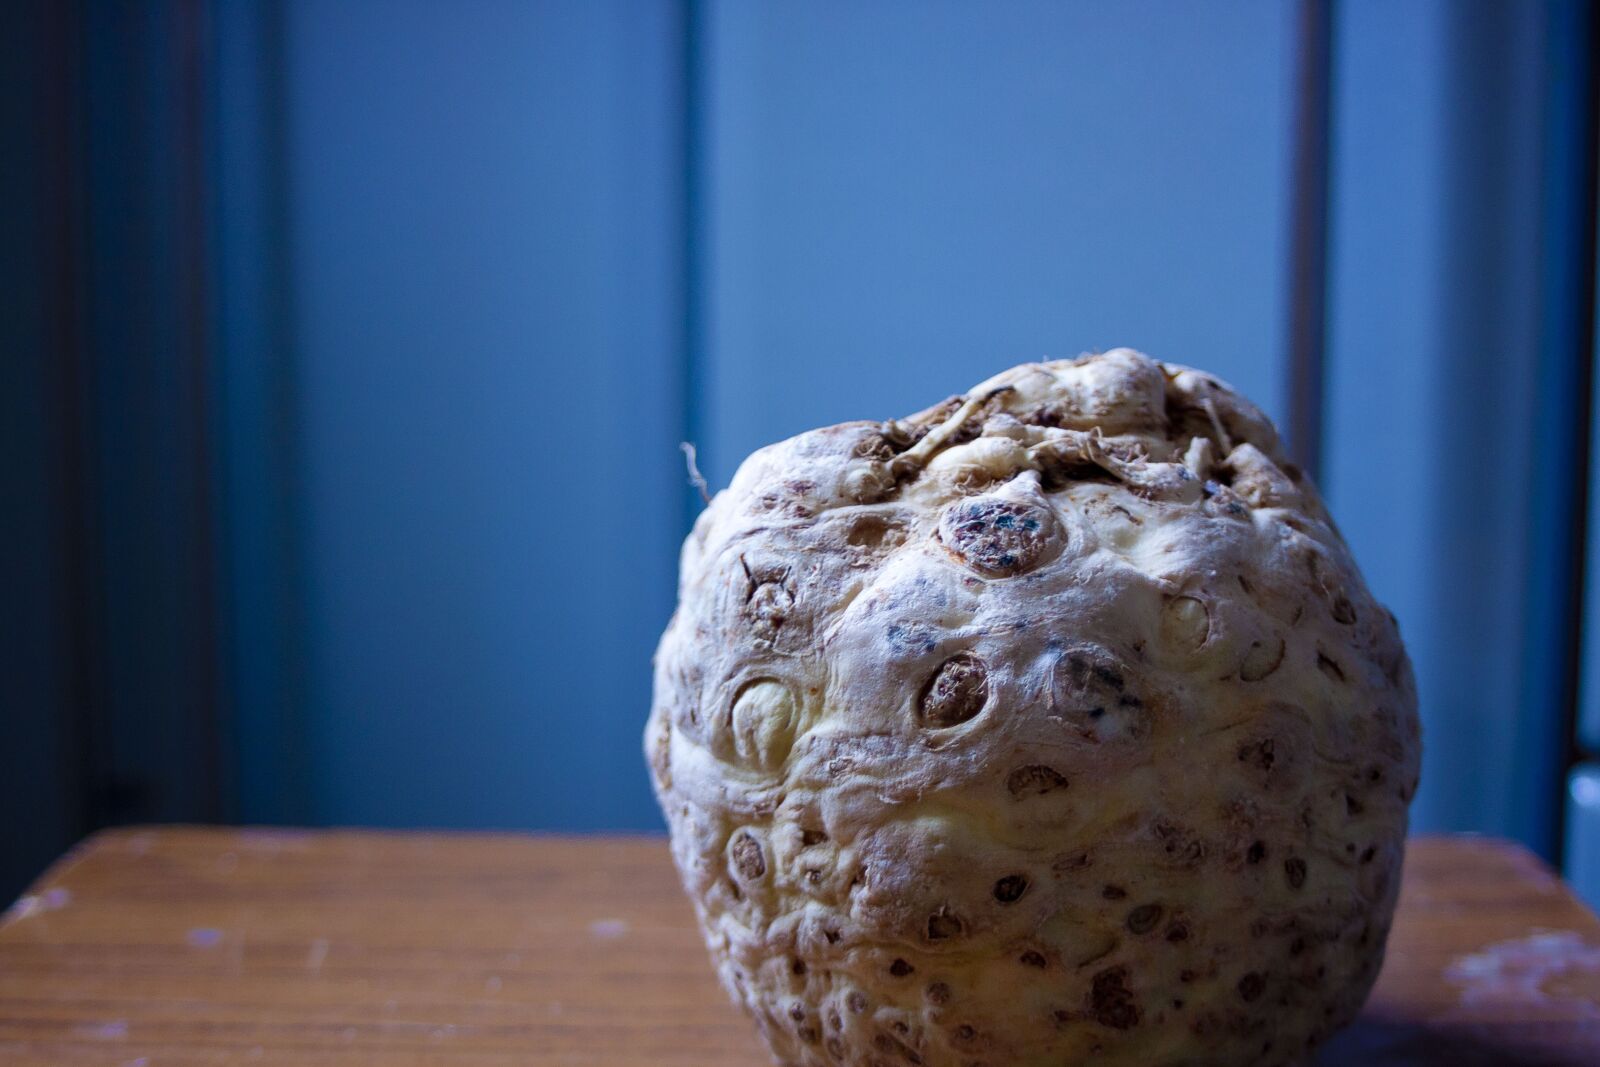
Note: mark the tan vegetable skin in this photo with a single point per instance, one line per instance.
(1052, 725)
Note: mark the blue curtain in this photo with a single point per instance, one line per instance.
(385, 321)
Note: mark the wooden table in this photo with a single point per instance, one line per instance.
(160, 947)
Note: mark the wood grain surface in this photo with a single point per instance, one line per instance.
(180, 946)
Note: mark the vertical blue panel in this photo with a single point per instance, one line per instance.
(1589, 689)
(1433, 372)
(1564, 440)
(484, 245)
(895, 208)
(149, 588)
(1583, 66)
(259, 524)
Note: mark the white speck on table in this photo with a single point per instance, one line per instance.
(1516, 971)
(112, 1030)
(203, 937)
(608, 929)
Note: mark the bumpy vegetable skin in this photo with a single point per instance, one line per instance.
(1051, 725)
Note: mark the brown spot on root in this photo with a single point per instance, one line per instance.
(749, 862)
(1144, 918)
(886, 1043)
(957, 692)
(1111, 1003)
(1182, 846)
(1089, 694)
(808, 838)
(1031, 958)
(1034, 780)
(938, 994)
(769, 606)
(1009, 889)
(1256, 852)
(1108, 676)
(789, 500)
(1329, 667)
(1294, 869)
(1260, 754)
(857, 1000)
(944, 925)
(900, 968)
(1070, 863)
(1113, 892)
(1177, 932)
(1251, 986)
(999, 538)
(768, 601)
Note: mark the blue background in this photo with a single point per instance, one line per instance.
(470, 272)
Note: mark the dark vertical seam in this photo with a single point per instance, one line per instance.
(82, 719)
(1582, 368)
(193, 203)
(126, 450)
(294, 801)
(1308, 260)
(89, 437)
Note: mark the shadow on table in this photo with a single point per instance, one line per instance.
(1392, 1043)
